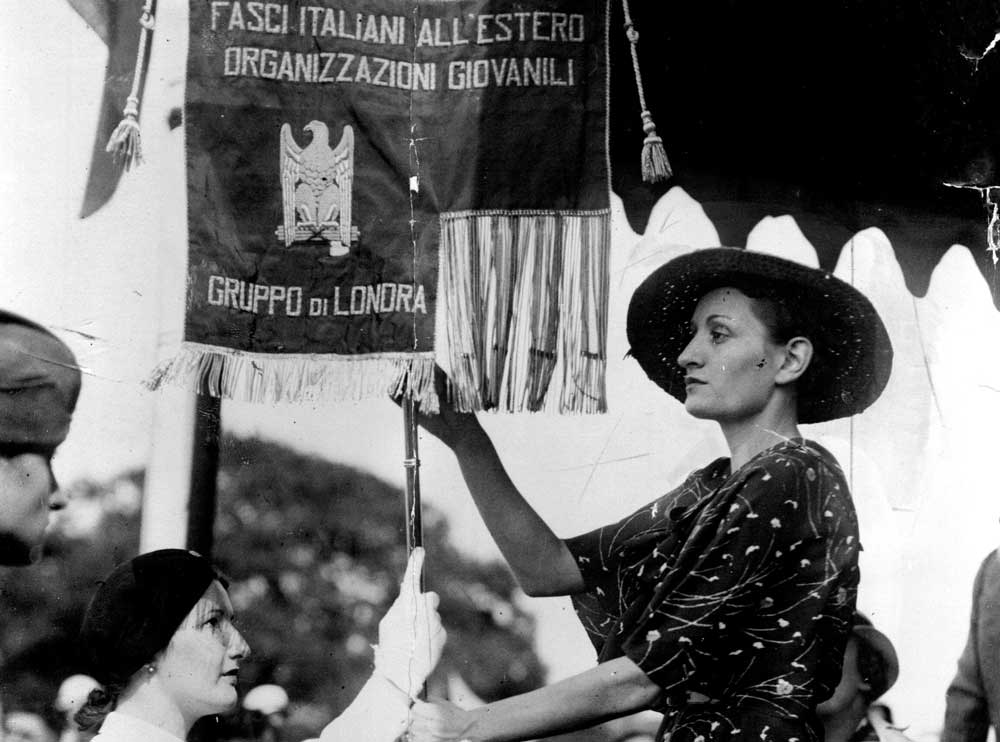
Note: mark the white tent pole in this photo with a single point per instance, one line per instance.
(168, 473)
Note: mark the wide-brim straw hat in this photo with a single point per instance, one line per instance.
(849, 335)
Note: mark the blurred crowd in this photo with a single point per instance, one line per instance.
(260, 717)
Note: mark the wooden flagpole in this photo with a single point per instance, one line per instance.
(414, 526)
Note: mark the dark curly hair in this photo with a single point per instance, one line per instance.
(100, 703)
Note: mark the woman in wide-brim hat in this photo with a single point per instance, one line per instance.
(725, 603)
(159, 636)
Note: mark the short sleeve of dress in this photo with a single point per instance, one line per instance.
(590, 550)
(602, 554)
(596, 606)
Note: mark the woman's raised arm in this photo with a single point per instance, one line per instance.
(539, 559)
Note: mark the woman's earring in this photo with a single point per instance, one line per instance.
(150, 669)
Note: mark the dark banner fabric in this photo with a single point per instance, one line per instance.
(341, 154)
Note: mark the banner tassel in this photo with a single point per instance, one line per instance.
(125, 143)
(655, 166)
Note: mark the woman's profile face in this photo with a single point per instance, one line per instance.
(198, 668)
(730, 362)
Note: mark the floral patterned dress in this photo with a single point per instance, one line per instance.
(734, 593)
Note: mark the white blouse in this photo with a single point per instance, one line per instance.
(119, 727)
(379, 713)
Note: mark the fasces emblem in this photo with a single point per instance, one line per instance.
(316, 189)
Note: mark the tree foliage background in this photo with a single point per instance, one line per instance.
(313, 551)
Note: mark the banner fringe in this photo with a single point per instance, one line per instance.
(270, 377)
(584, 308)
(524, 295)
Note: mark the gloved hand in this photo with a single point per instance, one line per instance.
(410, 635)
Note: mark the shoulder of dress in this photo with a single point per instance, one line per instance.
(804, 454)
(797, 461)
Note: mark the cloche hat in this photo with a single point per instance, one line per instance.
(844, 326)
(138, 607)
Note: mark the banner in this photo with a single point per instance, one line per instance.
(354, 163)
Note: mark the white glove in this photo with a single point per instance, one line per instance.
(379, 713)
(410, 635)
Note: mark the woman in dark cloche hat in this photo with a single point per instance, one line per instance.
(726, 603)
(159, 635)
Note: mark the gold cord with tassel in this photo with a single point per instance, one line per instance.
(655, 166)
(125, 144)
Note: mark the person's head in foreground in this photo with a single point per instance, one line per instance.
(871, 668)
(160, 639)
(39, 386)
(749, 339)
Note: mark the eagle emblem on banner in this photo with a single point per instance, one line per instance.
(316, 189)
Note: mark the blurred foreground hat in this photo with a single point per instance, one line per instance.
(137, 609)
(266, 699)
(877, 659)
(855, 350)
(39, 384)
(73, 692)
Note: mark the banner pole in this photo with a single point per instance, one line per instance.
(414, 526)
(204, 475)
